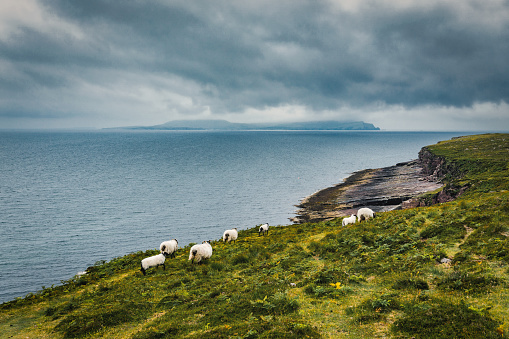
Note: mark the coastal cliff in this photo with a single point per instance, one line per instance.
(401, 186)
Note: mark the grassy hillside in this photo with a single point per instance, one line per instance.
(431, 272)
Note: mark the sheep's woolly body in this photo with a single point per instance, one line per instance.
(168, 248)
(350, 220)
(263, 229)
(154, 261)
(230, 235)
(200, 252)
(365, 213)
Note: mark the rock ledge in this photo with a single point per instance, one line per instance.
(381, 189)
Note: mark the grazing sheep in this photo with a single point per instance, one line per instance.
(365, 213)
(263, 229)
(168, 248)
(200, 252)
(154, 261)
(350, 220)
(230, 235)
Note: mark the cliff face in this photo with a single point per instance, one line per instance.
(437, 169)
(432, 165)
(404, 185)
(381, 189)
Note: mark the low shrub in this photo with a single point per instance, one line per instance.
(374, 309)
(332, 291)
(78, 325)
(467, 282)
(330, 275)
(445, 320)
(278, 304)
(240, 259)
(174, 299)
(58, 311)
(410, 283)
(169, 332)
(445, 231)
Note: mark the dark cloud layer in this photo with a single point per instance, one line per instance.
(230, 56)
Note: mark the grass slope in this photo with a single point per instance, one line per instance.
(382, 278)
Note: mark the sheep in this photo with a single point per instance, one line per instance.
(365, 213)
(169, 247)
(200, 252)
(230, 235)
(350, 220)
(154, 261)
(263, 229)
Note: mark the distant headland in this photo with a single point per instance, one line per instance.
(231, 126)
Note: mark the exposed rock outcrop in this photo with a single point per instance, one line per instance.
(437, 169)
(384, 189)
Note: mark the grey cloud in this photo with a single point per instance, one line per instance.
(447, 62)
(307, 53)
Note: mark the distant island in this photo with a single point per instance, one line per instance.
(230, 126)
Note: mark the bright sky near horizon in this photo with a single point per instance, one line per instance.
(399, 64)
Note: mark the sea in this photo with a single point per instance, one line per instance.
(69, 199)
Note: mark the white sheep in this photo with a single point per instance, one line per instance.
(169, 247)
(154, 261)
(230, 235)
(350, 220)
(200, 252)
(365, 213)
(263, 229)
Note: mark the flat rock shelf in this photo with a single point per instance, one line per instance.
(381, 189)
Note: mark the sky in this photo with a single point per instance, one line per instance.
(399, 64)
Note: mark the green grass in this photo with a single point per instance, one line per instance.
(381, 278)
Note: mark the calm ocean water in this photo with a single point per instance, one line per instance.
(70, 199)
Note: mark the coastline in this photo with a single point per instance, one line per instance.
(311, 275)
(381, 189)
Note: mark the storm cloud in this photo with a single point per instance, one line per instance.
(109, 63)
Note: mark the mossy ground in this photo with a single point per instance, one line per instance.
(381, 278)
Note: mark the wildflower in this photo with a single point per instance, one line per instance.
(336, 285)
